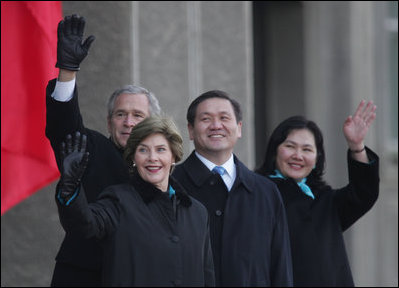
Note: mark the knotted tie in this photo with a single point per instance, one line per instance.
(302, 184)
(219, 169)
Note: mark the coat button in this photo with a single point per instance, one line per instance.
(218, 213)
(175, 238)
(212, 182)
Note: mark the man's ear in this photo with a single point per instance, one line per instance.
(239, 124)
(190, 131)
(109, 124)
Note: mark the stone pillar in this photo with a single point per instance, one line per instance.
(190, 47)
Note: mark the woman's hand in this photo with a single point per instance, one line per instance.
(74, 159)
(356, 126)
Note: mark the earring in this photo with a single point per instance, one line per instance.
(173, 164)
(134, 164)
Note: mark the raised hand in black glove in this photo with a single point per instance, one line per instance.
(74, 160)
(70, 49)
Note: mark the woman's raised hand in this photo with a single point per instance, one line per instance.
(356, 126)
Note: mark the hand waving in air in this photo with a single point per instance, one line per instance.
(74, 161)
(356, 126)
(71, 50)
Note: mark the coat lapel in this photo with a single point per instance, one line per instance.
(196, 170)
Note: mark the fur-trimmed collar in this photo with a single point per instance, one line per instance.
(149, 192)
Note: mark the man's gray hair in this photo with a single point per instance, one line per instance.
(131, 89)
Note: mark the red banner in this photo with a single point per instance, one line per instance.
(28, 57)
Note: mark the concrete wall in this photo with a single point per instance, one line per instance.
(179, 49)
(346, 61)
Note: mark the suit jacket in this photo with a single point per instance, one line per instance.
(316, 226)
(248, 227)
(106, 167)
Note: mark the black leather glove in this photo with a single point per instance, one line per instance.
(74, 159)
(70, 49)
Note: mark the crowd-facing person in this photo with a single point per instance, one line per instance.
(249, 234)
(317, 213)
(151, 231)
(78, 261)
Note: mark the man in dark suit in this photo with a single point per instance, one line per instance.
(78, 262)
(249, 233)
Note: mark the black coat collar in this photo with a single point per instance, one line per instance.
(120, 150)
(149, 192)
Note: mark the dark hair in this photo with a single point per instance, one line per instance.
(280, 134)
(192, 109)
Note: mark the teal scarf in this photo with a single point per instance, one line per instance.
(302, 184)
(171, 191)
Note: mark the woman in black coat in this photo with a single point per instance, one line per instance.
(152, 232)
(318, 214)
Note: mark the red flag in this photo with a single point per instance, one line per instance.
(28, 56)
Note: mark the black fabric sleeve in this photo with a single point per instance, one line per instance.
(62, 118)
(354, 200)
(90, 220)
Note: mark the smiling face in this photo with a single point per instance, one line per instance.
(153, 159)
(129, 110)
(297, 155)
(215, 130)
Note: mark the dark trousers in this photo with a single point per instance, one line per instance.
(67, 275)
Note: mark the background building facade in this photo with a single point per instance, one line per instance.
(277, 59)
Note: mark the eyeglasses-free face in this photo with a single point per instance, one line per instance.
(154, 160)
(215, 130)
(297, 155)
(129, 110)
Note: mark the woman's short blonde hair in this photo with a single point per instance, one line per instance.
(154, 125)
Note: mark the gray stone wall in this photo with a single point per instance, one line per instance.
(180, 49)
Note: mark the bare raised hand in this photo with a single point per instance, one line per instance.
(356, 127)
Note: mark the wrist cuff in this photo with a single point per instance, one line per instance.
(65, 201)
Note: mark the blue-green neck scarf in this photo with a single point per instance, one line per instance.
(171, 191)
(302, 184)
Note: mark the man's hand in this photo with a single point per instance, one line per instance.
(74, 160)
(70, 49)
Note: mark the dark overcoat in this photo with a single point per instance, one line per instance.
(148, 238)
(249, 232)
(316, 226)
(106, 167)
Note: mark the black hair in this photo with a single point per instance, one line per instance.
(192, 109)
(279, 135)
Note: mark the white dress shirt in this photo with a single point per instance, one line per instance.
(230, 176)
(63, 91)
